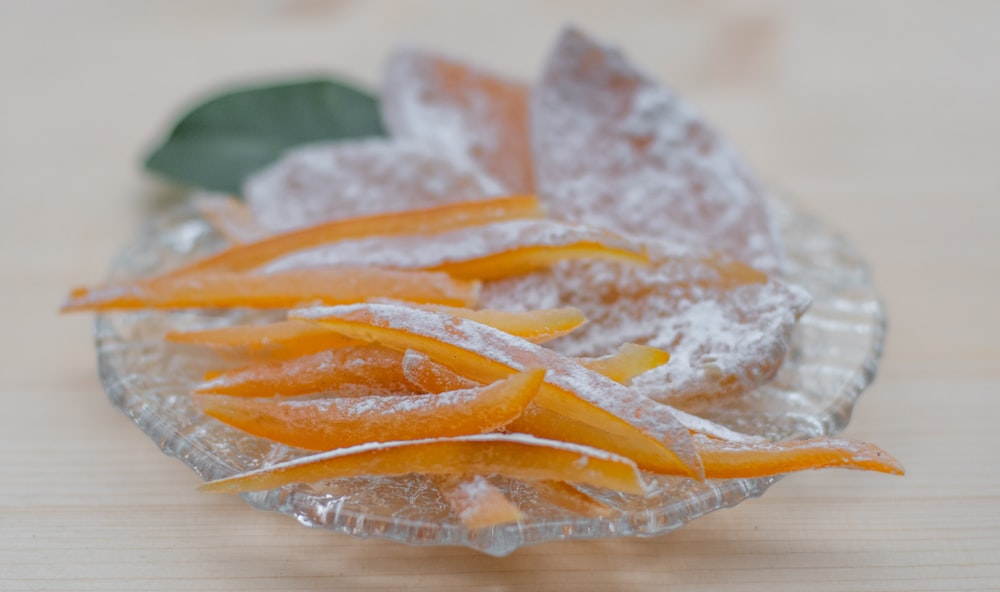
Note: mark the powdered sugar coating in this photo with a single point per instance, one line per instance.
(428, 405)
(532, 291)
(521, 439)
(465, 244)
(352, 371)
(465, 111)
(723, 340)
(655, 419)
(338, 180)
(616, 149)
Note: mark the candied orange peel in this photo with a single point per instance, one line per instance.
(291, 338)
(514, 455)
(243, 257)
(631, 360)
(574, 404)
(277, 290)
(231, 218)
(354, 370)
(477, 503)
(329, 423)
(394, 360)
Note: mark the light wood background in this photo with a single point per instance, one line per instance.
(882, 117)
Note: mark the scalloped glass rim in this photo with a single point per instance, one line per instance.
(833, 356)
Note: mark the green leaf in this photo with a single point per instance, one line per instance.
(218, 143)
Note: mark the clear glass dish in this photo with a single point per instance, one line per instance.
(834, 355)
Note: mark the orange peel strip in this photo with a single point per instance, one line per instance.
(569, 497)
(573, 405)
(490, 251)
(431, 377)
(357, 369)
(523, 260)
(518, 456)
(422, 221)
(436, 99)
(326, 424)
(231, 218)
(733, 460)
(289, 339)
(537, 326)
(277, 341)
(631, 360)
(476, 501)
(278, 290)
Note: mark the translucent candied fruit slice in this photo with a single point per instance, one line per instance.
(277, 341)
(574, 404)
(326, 424)
(487, 252)
(325, 182)
(476, 501)
(460, 109)
(614, 148)
(353, 370)
(430, 220)
(277, 290)
(569, 497)
(537, 326)
(429, 376)
(514, 455)
(726, 326)
(231, 218)
(289, 339)
(629, 361)
(734, 460)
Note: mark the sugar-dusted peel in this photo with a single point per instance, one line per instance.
(289, 339)
(325, 424)
(629, 361)
(518, 456)
(488, 252)
(476, 501)
(335, 180)
(231, 218)
(460, 109)
(279, 290)
(571, 498)
(537, 326)
(734, 460)
(574, 404)
(616, 149)
(431, 377)
(353, 370)
(430, 220)
(275, 341)
(726, 325)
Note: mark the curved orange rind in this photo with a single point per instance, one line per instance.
(290, 338)
(354, 370)
(278, 290)
(430, 220)
(518, 456)
(573, 405)
(736, 460)
(631, 360)
(488, 252)
(325, 424)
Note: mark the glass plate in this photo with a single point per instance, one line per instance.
(833, 356)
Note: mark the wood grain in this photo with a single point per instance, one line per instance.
(880, 117)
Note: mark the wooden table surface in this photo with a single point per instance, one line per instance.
(883, 118)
